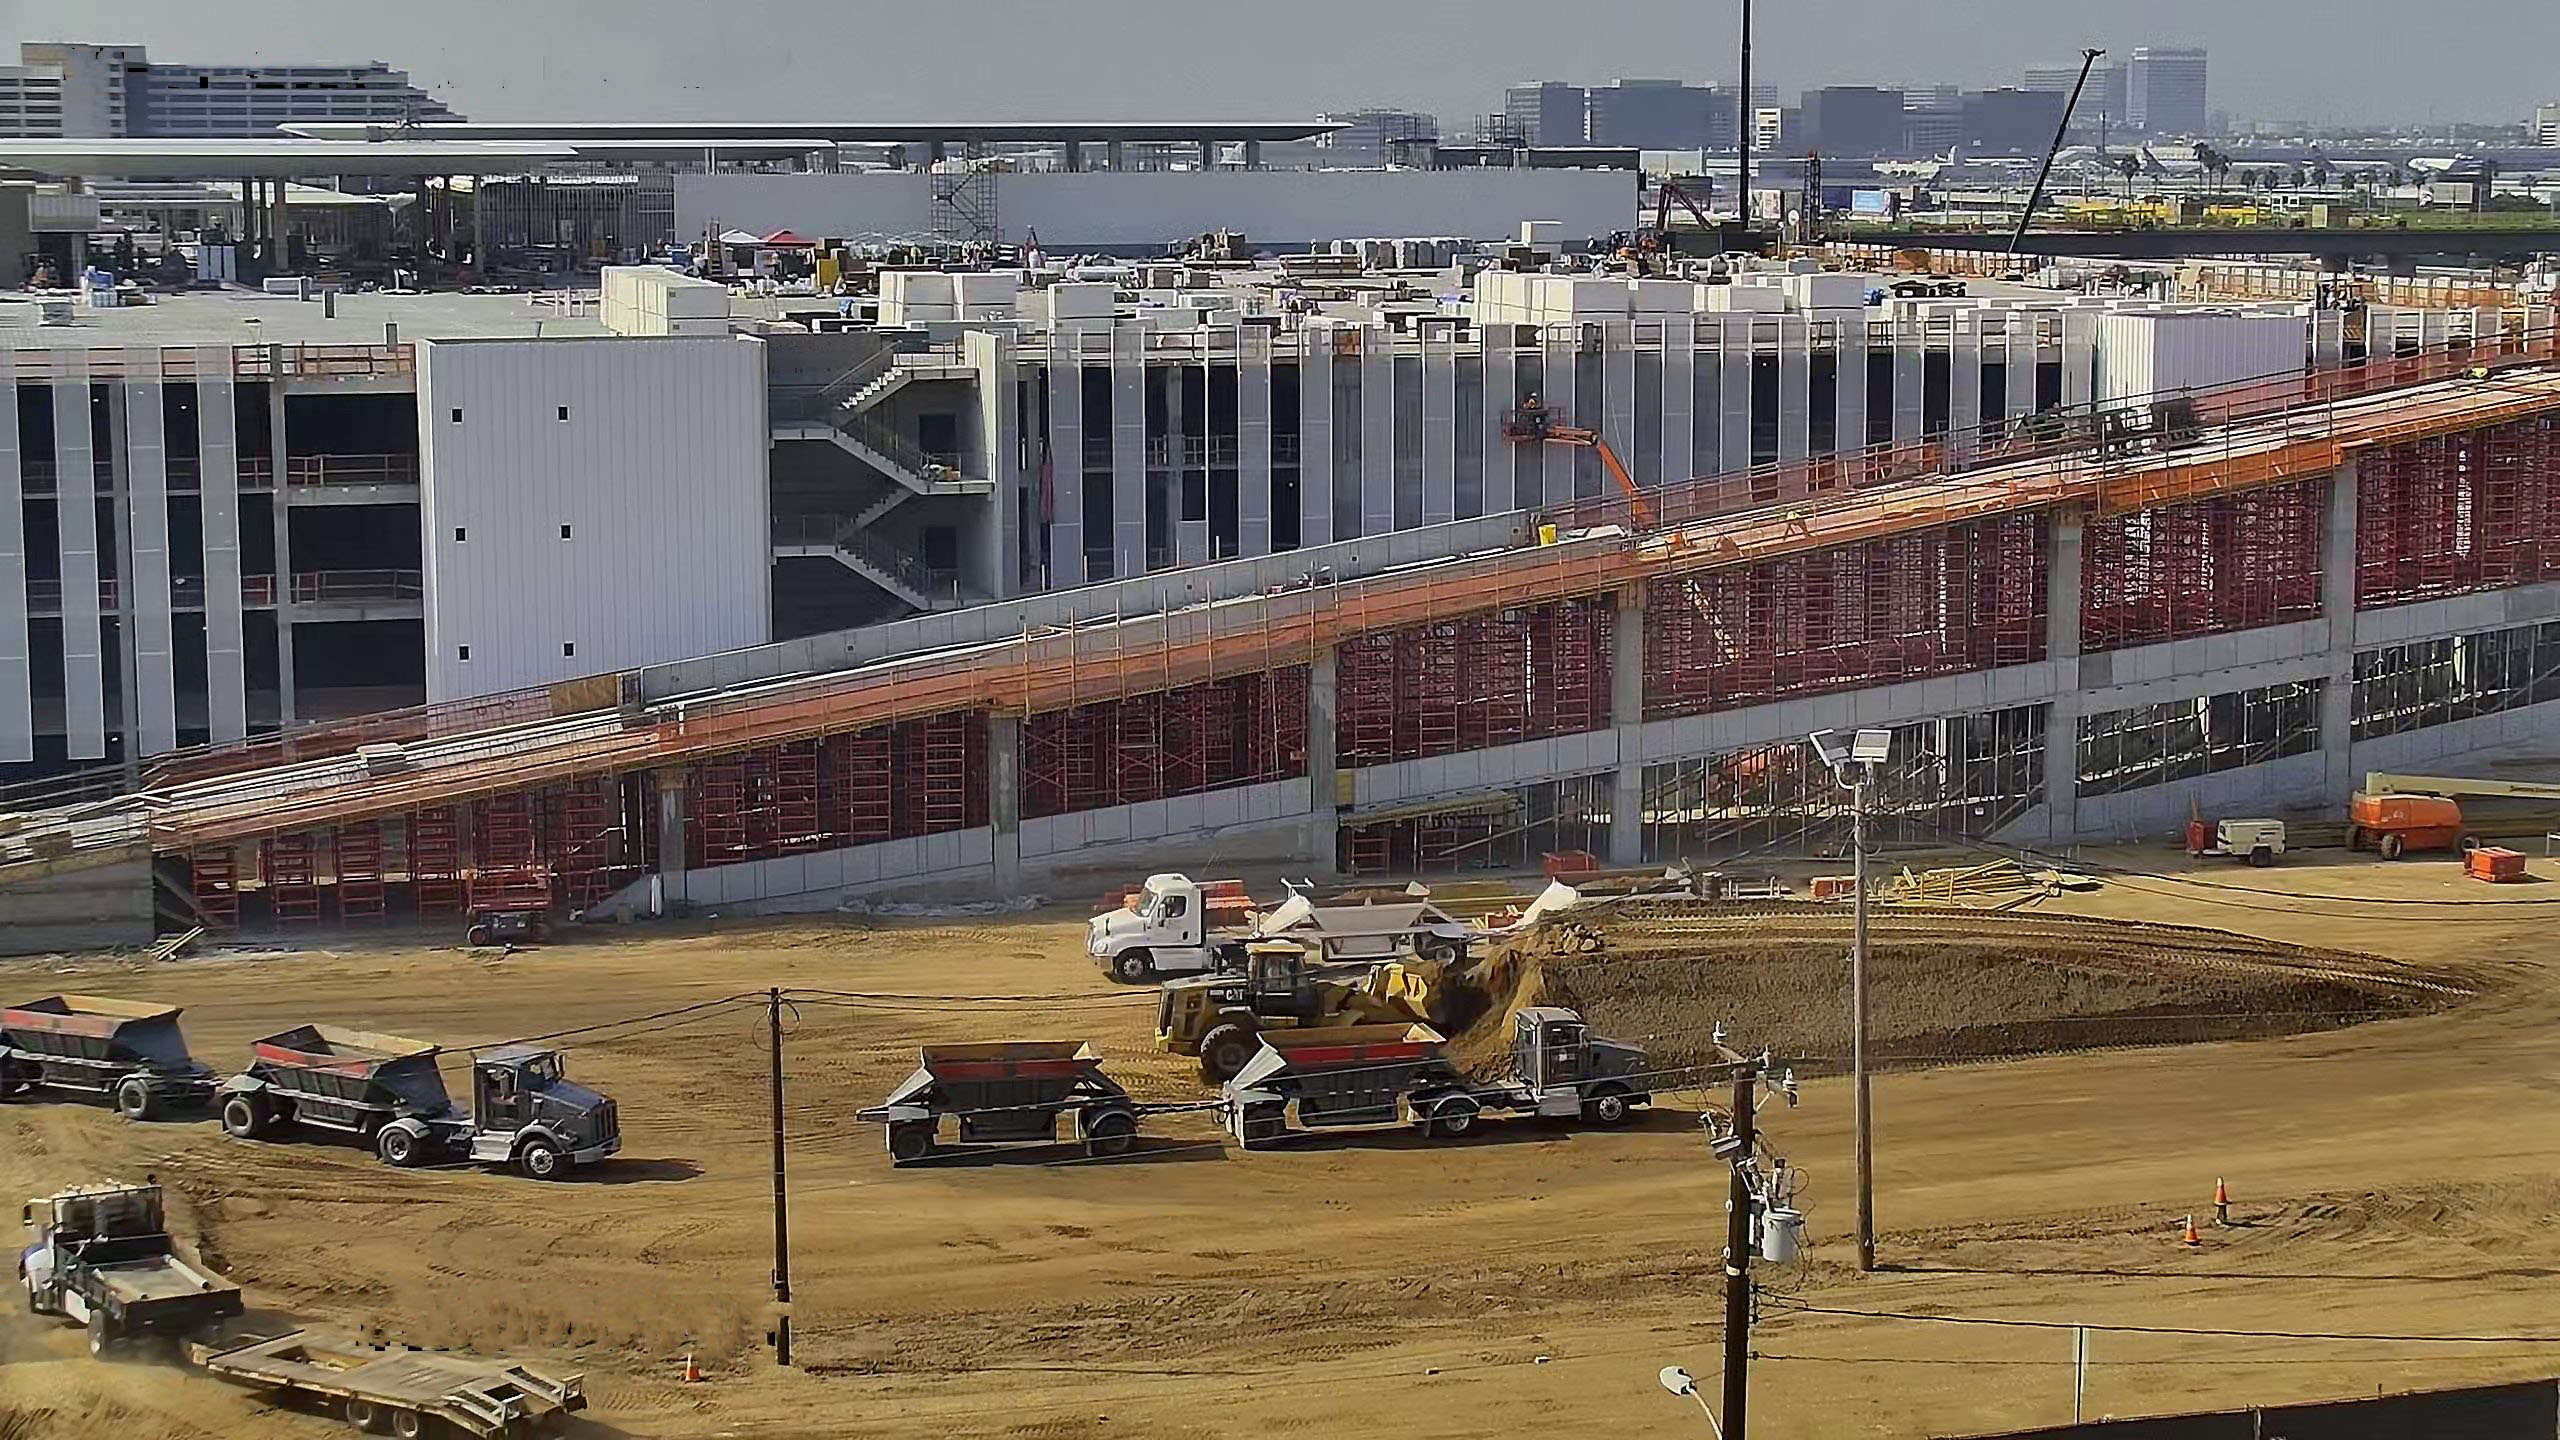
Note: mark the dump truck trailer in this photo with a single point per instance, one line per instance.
(387, 1092)
(1371, 1075)
(403, 1392)
(102, 1256)
(1012, 1092)
(1219, 1019)
(130, 1052)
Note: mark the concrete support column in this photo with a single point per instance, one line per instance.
(1626, 712)
(2062, 652)
(1253, 154)
(282, 512)
(935, 152)
(1004, 797)
(996, 570)
(672, 787)
(1115, 155)
(1316, 845)
(2338, 608)
(1208, 154)
(1074, 156)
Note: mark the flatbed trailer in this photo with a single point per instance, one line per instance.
(400, 1391)
(130, 1052)
(1013, 1092)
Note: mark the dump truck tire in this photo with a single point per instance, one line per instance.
(542, 1160)
(2390, 845)
(1111, 1133)
(1225, 1050)
(476, 936)
(1452, 1116)
(363, 1416)
(2262, 857)
(1136, 967)
(397, 1147)
(910, 1140)
(1609, 1107)
(1443, 952)
(133, 1099)
(240, 1118)
(408, 1424)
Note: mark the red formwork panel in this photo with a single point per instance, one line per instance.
(1478, 680)
(2230, 562)
(287, 862)
(2458, 514)
(358, 866)
(1903, 607)
(435, 861)
(213, 873)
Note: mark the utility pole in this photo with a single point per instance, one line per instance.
(781, 1206)
(1737, 1257)
(1858, 1021)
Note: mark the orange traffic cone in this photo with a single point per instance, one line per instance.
(692, 1372)
(2188, 1235)
(2221, 1202)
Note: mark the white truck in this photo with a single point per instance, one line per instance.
(1167, 932)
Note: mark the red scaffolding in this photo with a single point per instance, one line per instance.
(435, 861)
(2473, 511)
(1484, 679)
(718, 812)
(213, 874)
(293, 881)
(358, 864)
(585, 830)
(1934, 602)
(2230, 562)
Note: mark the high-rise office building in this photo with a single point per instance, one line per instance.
(1654, 114)
(78, 91)
(1853, 120)
(2165, 91)
(2546, 124)
(2104, 96)
(1549, 112)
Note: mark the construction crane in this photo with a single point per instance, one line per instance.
(2044, 172)
(1652, 241)
(1531, 424)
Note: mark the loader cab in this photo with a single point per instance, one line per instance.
(1276, 980)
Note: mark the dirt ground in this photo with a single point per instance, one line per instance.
(2393, 1176)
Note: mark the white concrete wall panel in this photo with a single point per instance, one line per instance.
(75, 489)
(1555, 485)
(2021, 377)
(1315, 445)
(1679, 379)
(1253, 442)
(1439, 426)
(1617, 406)
(1066, 465)
(1128, 451)
(1795, 388)
(154, 667)
(218, 463)
(17, 677)
(1149, 208)
(1733, 389)
(1910, 373)
(1377, 431)
(1964, 386)
(657, 474)
(1850, 409)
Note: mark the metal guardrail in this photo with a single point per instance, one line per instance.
(876, 552)
(357, 587)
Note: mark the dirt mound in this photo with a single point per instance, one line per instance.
(1943, 986)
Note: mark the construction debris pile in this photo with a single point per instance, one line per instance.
(1944, 986)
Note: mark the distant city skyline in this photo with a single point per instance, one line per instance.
(1128, 59)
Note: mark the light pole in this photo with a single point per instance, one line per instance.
(1853, 763)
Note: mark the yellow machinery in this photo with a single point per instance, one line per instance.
(1220, 1018)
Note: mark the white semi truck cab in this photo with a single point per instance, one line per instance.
(1168, 932)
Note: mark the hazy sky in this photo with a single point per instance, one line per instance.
(2322, 60)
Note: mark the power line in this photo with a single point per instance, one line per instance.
(2202, 1331)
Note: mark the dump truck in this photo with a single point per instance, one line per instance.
(1400, 1074)
(1169, 931)
(395, 1389)
(388, 1092)
(1011, 1092)
(130, 1052)
(1220, 1019)
(102, 1256)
